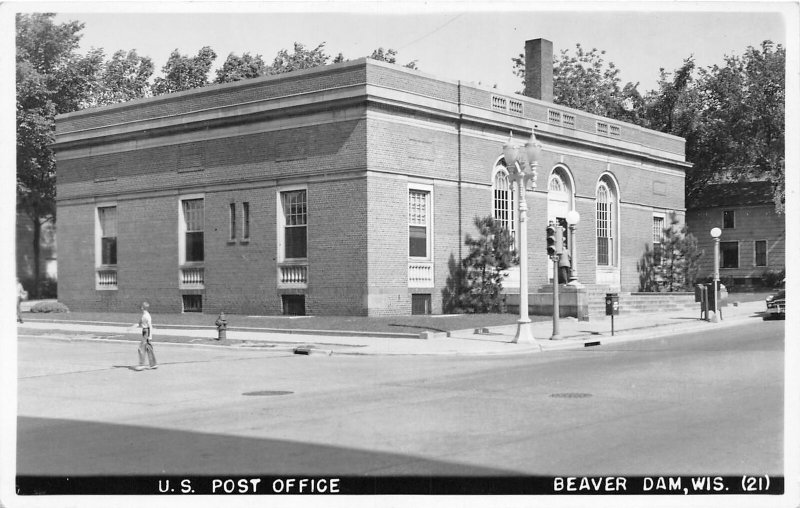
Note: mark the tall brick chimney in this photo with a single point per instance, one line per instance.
(539, 69)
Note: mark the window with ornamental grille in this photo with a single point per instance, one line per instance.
(503, 211)
(107, 217)
(658, 238)
(295, 215)
(604, 226)
(418, 223)
(194, 220)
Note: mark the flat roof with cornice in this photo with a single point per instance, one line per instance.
(358, 82)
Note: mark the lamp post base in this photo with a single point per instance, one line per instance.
(524, 334)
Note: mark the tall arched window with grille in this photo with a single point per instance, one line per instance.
(605, 225)
(504, 201)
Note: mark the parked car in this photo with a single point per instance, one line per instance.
(776, 304)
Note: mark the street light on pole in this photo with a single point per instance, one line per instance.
(715, 234)
(573, 217)
(521, 166)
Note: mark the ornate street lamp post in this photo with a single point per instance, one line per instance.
(521, 166)
(573, 217)
(715, 234)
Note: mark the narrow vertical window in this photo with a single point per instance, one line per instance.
(245, 221)
(658, 238)
(193, 221)
(108, 234)
(295, 224)
(232, 216)
(603, 226)
(418, 223)
(503, 206)
(761, 253)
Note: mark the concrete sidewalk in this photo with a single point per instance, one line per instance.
(490, 341)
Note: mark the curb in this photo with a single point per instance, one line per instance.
(287, 331)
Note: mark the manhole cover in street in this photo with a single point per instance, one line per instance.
(571, 395)
(267, 393)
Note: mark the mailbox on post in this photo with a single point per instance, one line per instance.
(612, 307)
(612, 304)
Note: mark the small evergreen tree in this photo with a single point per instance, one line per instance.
(475, 284)
(679, 260)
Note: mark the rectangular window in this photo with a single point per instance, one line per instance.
(295, 216)
(761, 253)
(294, 305)
(232, 216)
(193, 221)
(418, 223)
(107, 217)
(420, 304)
(245, 221)
(729, 254)
(192, 303)
(728, 219)
(658, 238)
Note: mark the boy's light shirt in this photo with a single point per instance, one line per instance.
(145, 321)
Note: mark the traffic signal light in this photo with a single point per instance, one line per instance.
(554, 240)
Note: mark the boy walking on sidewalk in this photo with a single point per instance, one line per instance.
(145, 347)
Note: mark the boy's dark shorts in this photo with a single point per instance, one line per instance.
(146, 333)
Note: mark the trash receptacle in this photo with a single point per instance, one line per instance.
(701, 296)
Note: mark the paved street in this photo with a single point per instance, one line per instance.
(686, 404)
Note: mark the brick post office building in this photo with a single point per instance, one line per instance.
(340, 190)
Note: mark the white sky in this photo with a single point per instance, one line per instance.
(468, 41)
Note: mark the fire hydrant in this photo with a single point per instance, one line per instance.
(222, 326)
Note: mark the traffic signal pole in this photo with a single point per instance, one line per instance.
(556, 334)
(555, 249)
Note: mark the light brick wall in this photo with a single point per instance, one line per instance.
(387, 246)
(337, 247)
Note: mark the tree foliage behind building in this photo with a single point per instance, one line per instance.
(732, 115)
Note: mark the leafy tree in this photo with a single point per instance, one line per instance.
(740, 133)
(51, 78)
(237, 68)
(674, 264)
(390, 56)
(301, 58)
(476, 284)
(672, 107)
(122, 78)
(586, 82)
(182, 72)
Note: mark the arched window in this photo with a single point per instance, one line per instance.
(606, 224)
(504, 201)
(556, 183)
